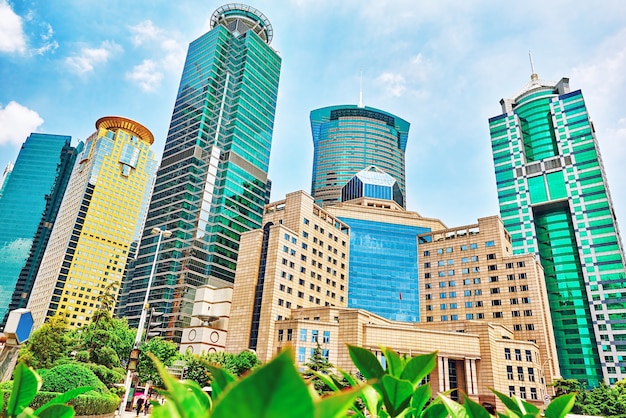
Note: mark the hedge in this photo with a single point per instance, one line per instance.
(87, 404)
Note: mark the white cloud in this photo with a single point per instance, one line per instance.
(393, 83)
(144, 31)
(89, 57)
(48, 44)
(12, 38)
(147, 75)
(415, 73)
(17, 123)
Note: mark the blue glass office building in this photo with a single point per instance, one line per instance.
(212, 184)
(26, 192)
(383, 263)
(349, 138)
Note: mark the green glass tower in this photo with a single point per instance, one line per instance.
(555, 202)
(26, 193)
(212, 184)
(350, 138)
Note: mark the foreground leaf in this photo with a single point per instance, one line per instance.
(419, 367)
(396, 394)
(474, 409)
(421, 396)
(335, 406)
(26, 384)
(273, 390)
(366, 362)
(221, 380)
(394, 362)
(56, 411)
(561, 406)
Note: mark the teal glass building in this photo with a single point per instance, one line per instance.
(349, 138)
(27, 191)
(554, 201)
(212, 184)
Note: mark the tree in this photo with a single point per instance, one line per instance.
(107, 340)
(197, 365)
(165, 351)
(320, 364)
(48, 346)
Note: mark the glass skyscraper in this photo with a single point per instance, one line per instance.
(23, 203)
(99, 218)
(554, 201)
(212, 184)
(350, 138)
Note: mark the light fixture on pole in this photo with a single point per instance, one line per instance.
(546, 397)
(142, 319)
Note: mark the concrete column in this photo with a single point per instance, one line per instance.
(446, 372)
(474, 375)
(441, 372)
(469, 383)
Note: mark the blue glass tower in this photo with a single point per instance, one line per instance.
(349, 138)
(212, 184)
(26, 192)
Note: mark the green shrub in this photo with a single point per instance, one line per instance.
(106, 375)
(70, 376)
(83, 405)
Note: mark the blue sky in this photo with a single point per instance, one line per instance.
(442, 65)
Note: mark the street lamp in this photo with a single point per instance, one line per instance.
(142, 319)
(546, 397)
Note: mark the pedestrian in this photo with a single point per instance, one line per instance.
(140, 403)
(146, 406)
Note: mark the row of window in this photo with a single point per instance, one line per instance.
(321, 230)
(304, 335)
(472, 246)
(518, 355)
(520, 373)
(522, 392)
(480, 316)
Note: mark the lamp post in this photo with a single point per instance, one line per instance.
(134, 356)
(546, 397)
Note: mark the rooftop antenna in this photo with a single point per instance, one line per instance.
(361, 89)
(533, 75)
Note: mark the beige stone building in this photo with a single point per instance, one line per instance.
(470, 273)
(299, 259)
(470, 359)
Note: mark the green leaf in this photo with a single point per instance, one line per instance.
(221, 380)
(419, 367)
(421, 396)
(366, 362)
(56, 411)
(509, 403)
(328, 381)
(435, 410)
(559, 407)
(26, 384)
(455, 410)
(394, 362)
(64, 398)
(335, 406)
(396, 394)
(184, 398)
(276, 389)
(474, 409)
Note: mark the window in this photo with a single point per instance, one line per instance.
(491, 256)
(289, 334)
(473, 246)
(442, 274)
(509, 372)
(326, 337)
(280, 335)
(450, 262)
(530, 327)
(427, 275)
(476, 269)
(520, 374)
(480, 315)
(449, 249)
(511, 391)
(493, 279)
(494, 290)
(513, 301)
(469, 316)
(497, 314)
(314, 335)
(306, 221)
(522, 275)
(521, 264)
(478, 292)
(531, 374)
(451, 283)
(301, 354)
(478, 303)
(477, 280)
(428, 296)
(525, 300)
(450, 272)
(522, 392)
(426, 253)
(429, 307)
(441, 263)
(507, 354)
(533, 393)
(509, 265)
(442, 295)
(510, 277)
(492, 267)
(443, 307)
(490, 244)
(463, 247)
(444, 317)
(428, 286)
(529, 356)
(496, 302)
(429, 319)
(467, 281)
(528, 312)
(467, 293)
(512, 289)
(427, 265)
(468, 304)
(523, 288)
(442, 284)
(465, 271)
(515, 314)
(518, 354)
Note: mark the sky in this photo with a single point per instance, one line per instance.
(442, 65)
